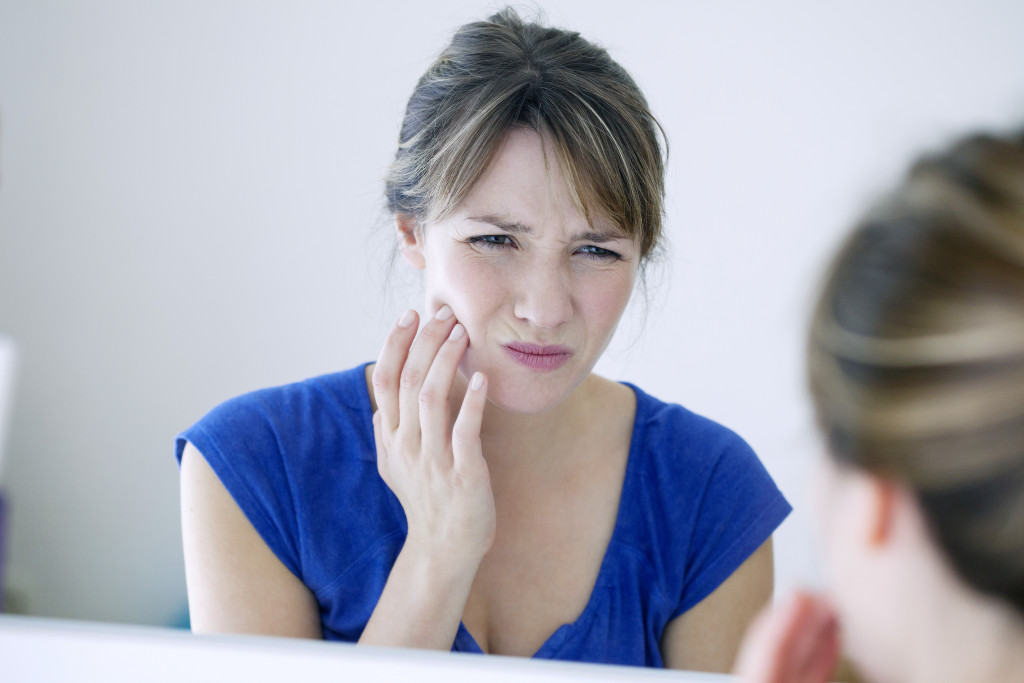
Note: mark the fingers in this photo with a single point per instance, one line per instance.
(466, 432)
(388, 370)
(382, 453)
(420, 358)
(792, 626)
(435, 424)
(816, 646)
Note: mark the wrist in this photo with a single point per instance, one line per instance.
(422, 603)
(438, 565)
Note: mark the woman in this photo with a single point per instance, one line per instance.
(478, 488)
(917, 370)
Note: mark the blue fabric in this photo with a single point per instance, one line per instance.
(300, 461)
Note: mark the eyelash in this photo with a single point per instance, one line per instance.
(589, 251)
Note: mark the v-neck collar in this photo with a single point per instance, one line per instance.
(464, 640)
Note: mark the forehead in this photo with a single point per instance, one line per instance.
(525, 183)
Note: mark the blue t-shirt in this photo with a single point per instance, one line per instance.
(300, 461)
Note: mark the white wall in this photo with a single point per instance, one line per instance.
(190, 209)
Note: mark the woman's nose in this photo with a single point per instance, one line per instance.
(544, 295)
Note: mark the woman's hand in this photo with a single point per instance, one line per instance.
(436, 470)
(794, 643)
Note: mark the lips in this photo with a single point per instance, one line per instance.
(537, 356)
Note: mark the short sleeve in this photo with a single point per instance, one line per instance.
(240, 442)
(739, 510)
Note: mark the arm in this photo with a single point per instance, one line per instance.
(707, 636)
(437, 472)
(235, 582)
(237, 585)
(422, 603)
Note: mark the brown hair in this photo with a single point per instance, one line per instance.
(916, 353)
(503, 73)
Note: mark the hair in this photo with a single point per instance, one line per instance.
(916, 353)
(503, 73)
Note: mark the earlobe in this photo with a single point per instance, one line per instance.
(886, 499)
(410, 240)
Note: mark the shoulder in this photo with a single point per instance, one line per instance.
(344, 390)
(696, 463)
(279, 452)
(273, 417)
(710, 501)
(673, 437)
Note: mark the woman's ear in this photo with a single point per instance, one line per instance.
(410, 240)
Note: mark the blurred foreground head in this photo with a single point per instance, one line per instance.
(916, 354)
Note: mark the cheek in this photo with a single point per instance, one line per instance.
(470, 286)
(866, 599)
(831, 521)
(603, 300)
(841, 528)
(821, 493)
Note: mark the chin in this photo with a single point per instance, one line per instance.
(521, 402)
(536, 394)
(515, 388)
(522, 396)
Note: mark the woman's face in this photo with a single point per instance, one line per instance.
(538, 288)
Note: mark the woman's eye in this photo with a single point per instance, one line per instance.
(590, 251)
(493, 241)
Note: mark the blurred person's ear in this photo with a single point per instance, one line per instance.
(885, 500)
(410, 240)
(865, 505)
(891, 515)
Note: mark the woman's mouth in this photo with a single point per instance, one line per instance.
(538, 357)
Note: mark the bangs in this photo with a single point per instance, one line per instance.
(612, 165)
(603, 176)
(503, 74)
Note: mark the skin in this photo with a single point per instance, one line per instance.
(510, 477)
(906, 615)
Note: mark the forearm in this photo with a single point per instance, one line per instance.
(421, 605)
(438, 473)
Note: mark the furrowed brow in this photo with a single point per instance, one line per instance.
(508, 226)
(516, 228)
(599, 237)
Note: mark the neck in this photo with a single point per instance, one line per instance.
(968, 637)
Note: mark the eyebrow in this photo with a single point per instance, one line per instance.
(517, 228)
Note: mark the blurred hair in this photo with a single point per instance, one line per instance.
(916, 353)
(504, 73)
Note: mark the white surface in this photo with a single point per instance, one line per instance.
(190, 208)
(44, 651)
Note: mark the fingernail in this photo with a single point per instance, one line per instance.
(477, 381)
(443, 313)
(457, 332)
(407, 318)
